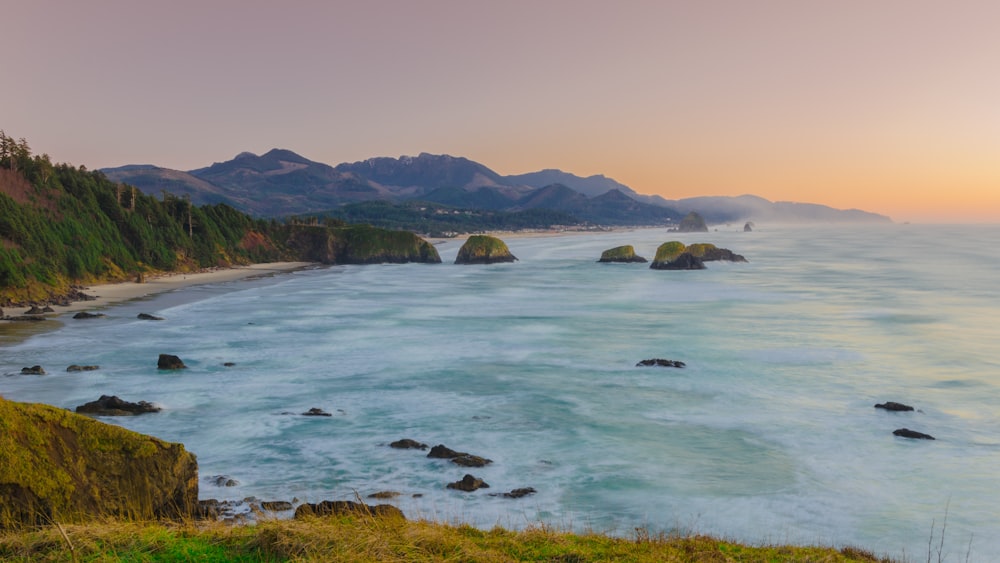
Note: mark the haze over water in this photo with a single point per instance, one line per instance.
(768, 435)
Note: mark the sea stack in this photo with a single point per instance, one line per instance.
(621, 254)
(692, 223)
(673, 255)
(484, 249)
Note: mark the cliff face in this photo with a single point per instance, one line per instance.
(359, 244)
(57, 466)
(484, 249)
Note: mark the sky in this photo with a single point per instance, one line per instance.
(891, 106)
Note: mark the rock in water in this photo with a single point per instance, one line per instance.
(408, 444)
(169, 361)
(621, 254)
(892, 406)
(484, 249)
(33, 370)
(113, 406)
(675, 255)
(86, 315)
(469, 484)
(148, 317)
(60, 466)
(907, 433)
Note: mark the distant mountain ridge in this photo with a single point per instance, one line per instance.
(281, 182)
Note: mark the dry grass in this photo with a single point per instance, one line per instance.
(363, 538)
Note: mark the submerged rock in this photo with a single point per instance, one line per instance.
(892, 406)
(316, 412)
(223, 481)
(625, 254)
(907, 433)
(169, 361)
(114, 406)
(148, 317)
(469, 460)
(347, 507)
(516, 493)
(81, 469)
(484, 249)
(661, 363)
(384, 495)
(75, 367)
(469, 484)
(33, 370)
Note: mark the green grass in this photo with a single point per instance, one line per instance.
(363, 538)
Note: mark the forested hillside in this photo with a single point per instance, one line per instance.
(62, 225)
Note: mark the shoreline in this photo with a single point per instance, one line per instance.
(110, 294)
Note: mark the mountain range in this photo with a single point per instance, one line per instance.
(281, 182)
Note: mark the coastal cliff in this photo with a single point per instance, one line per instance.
(57, 466)
(358, 244)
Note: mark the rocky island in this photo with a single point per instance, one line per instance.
(484, 249)
(675, 255)
(624, 254)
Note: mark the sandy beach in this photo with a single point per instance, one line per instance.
(112, 293)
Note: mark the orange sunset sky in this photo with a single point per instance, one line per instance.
(888, 106)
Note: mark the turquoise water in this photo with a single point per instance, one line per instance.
(768, 434)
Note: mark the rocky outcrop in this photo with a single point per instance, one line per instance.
(441, 451)
(469, 484)
(624, 254)
(675, 255)
(63, 467)
(748, 227)
(75, 367)
(464, 459)
(316, 412)
(33, 370)
(892, 406)
(169, 361)
(348, 508)
(907, 433)
(709, 253)
(661, 363)
(114, 406)
(408, 444)
(148, 317)
(484, 249)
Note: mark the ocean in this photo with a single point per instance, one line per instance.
(768, 435)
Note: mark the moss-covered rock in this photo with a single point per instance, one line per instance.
(621, 254)
(57, 466)
(692, 223)
(675, 255)
(359, 244)
(484, 249)
(709, 252)
(669, 251)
